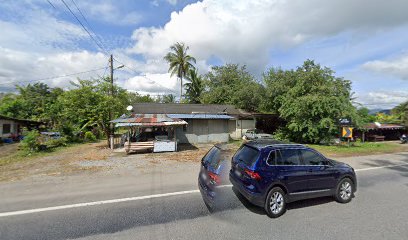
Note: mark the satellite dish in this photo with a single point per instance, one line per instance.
(377, 124)
(129, 108)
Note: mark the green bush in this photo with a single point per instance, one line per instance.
(31, 141)
(97, 133)
(59, 142)
(89, 137)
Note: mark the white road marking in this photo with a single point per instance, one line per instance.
(6, 214)
(37, 210)
(374, 168)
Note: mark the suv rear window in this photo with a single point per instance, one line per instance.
(247, 155)
(213, 157)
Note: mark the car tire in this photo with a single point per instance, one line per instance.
(344, 191)
(275, 204)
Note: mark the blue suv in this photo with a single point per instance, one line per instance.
(271, 174)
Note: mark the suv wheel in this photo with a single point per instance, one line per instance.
(275, 204)
(344, 191)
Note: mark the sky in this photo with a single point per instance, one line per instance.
(365, 41)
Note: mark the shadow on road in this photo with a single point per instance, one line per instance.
(309, 203)
(289, 206)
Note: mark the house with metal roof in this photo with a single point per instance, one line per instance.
(12, 127)
(380, 132)
(205, 122)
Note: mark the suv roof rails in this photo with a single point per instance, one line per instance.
(287, 145)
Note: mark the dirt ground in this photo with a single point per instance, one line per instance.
(86, 159)
(61, 162)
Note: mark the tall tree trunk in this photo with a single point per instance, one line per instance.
(106, 130)
(181, 88)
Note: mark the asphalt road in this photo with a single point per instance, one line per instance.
(379, 211)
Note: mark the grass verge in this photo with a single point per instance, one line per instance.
(356, 149)
(13, 155)
(359, 149)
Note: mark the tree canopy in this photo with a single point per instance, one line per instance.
(33, 101)
(310, 99)
(232, 84)
(401, 112)
(194, 86)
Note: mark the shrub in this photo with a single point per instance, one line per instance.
(96, 132)
(57, 142)
(89, 137)
(31, 141)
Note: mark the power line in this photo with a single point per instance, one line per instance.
(89, 25)
(86, 30)
(54, 77)
(51, 4)
(100, 43)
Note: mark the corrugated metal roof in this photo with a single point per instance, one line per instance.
(382, 126)
(19, 120)
(200, 116)
(148, 120)
(181, 108)
(162, 124)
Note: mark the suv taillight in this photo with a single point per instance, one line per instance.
(252, 174)
(214, 178)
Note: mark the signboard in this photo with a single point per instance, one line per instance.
(347, 132)
(345, 121)
(164, 146)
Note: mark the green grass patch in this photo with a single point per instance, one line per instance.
(237, 143)
(15, 155)
(359, 149)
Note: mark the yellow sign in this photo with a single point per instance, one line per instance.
(347, 132)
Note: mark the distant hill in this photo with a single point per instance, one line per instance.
(375, 111)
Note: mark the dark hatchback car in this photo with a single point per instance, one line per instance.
(214, 175)
(271, 174)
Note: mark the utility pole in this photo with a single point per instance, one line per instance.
(111, 73)
(112, 93)
(111, 127)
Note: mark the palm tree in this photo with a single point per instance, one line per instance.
(194, 87)
(180, 62)
(169, 98)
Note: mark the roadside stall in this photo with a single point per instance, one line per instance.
(149, 132)
(380, 132)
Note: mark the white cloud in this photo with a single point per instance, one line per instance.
(172, 2)
(153, 83)
(38, 45)
(111, 12)
(155, 3)
(382, 99)
(245, 31)
(397, 66)
(40, 31)
(18, 67)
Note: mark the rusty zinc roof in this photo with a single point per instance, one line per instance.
(148, 120)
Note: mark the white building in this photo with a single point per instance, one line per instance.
(10, 127)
